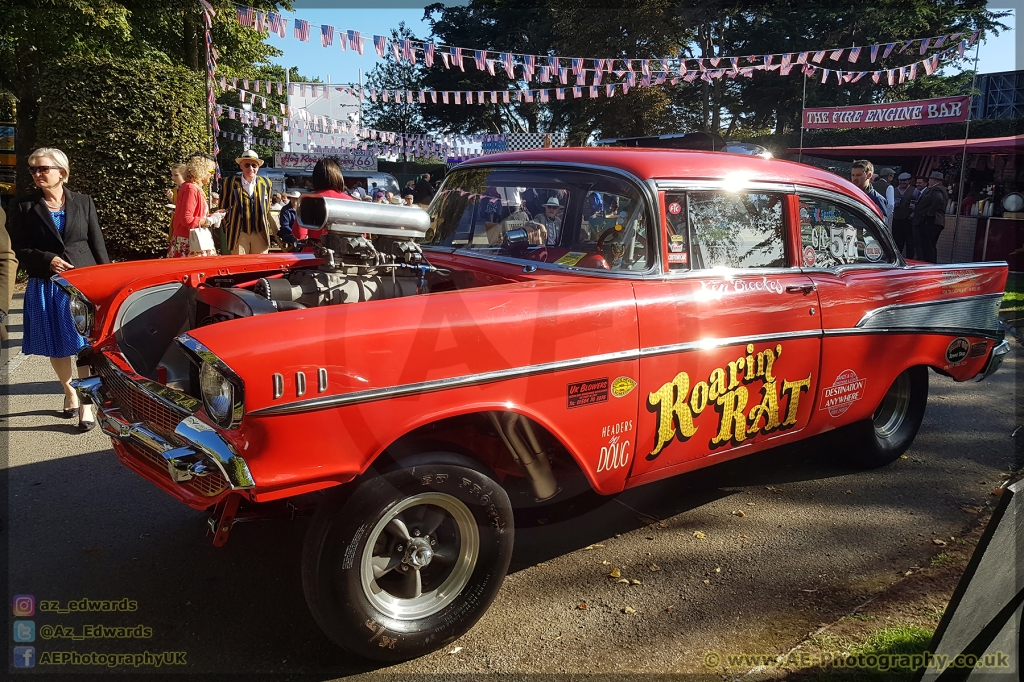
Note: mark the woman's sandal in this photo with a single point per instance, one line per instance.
(67, 412)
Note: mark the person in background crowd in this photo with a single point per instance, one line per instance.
(860, 175)
(410, 189)
(970, 199)
(277, 202)
(291, 231)
(903, 196)
(392, 199)
(246, 202)
(379, 197)
(214, 200)
(8, 273)
(328, 181)
(930, 217)
(885, 186)
(424, 191)
(356, 191)
(409, 200)
(593, 205)
(190, 209)
(51, 235)
(177, 178)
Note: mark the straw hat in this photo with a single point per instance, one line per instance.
(249, 155)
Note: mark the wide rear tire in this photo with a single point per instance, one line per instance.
(894, 424)
(409, 561)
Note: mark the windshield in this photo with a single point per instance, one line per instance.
(578, 219)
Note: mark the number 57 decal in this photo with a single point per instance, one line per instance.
(844, 242)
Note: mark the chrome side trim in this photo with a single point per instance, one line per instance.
(708, 344)
(944, 331)
(372, 394)
(725, 184)
(201, 441)
(995, 359)
(321, 380)
(300, 384)
(441, 384)
(278, 386)
(970, 312)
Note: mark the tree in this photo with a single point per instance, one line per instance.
(397, 116)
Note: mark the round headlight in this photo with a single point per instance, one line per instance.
(82, 315)
(218, 394)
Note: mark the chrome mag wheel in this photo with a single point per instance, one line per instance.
(891, 414)
(419, 556)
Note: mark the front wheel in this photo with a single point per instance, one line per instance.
(408, 562)
(894, 423)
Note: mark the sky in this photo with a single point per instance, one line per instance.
(315, 61)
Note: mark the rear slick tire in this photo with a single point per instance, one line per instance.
(409, 561)
(894, 424)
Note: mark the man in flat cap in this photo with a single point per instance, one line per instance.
(930, 217)
(903, 198)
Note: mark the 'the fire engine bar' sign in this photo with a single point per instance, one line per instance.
(916, 113)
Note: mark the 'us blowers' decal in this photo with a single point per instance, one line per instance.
(677, 403)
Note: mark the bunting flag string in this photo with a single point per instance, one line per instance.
(452, 56)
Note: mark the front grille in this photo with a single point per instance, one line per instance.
(135, 404)
(210, 485)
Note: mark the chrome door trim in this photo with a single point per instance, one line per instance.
(712, 343)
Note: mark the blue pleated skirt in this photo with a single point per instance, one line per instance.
(49, 326)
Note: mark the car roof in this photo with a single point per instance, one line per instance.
(663, 164)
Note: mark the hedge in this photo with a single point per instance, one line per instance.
(123, 124)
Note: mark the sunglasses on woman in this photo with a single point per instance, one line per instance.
(42, 169)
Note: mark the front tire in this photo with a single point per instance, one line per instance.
(409, 561)
(894, 424)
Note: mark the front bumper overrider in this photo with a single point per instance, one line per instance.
(995, 358)
(202, 447)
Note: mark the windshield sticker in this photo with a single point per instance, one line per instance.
(872, 250)
(674, 208)
(571, 258)
(589, 392)
(678, 258)
(809, 256)
(622, 386)
(676, 403)
(676, 243)
(847, 389)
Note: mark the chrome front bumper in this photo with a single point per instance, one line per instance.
(995, 358)
(203, 449)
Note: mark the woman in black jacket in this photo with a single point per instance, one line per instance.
(55, 233)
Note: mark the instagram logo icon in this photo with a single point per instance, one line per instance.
(24, 605)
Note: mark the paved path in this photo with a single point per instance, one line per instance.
(816, 539)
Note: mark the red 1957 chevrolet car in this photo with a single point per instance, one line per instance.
(611, 315)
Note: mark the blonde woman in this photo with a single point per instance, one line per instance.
(52, 234)
(190, 208)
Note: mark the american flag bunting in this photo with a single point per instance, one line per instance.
(302, 30)
(326, 35)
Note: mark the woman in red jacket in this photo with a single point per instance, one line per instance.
(328, 182)
(190, 208)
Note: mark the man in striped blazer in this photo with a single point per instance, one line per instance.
(245, 198)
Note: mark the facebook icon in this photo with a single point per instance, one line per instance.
(24, 657)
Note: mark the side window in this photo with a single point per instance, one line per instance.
(736, 229)
(832, 235)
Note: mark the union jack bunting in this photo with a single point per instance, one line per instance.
(380, 43)
(854, 54)
(302, 30)
(506, 59)
(326, 35)
(246, 16)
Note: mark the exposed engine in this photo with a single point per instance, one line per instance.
(369, 254)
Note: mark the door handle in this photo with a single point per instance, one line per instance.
(801, 288)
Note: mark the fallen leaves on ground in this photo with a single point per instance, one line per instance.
(654, 567)
(940, 543)
(582, 606)
(455, 650)
(628, 609)
(594, 546)
(616, 573)
(699, 535)
(739, 513)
